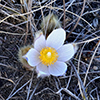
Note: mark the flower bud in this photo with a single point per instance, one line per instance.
(21, 53)
(50, 23)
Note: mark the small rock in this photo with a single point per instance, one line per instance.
(95, 67)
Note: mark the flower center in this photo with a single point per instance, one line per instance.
(48, 56)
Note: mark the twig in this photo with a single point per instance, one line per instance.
(64, 13)
(93, 91)
(94, 72)
(7, 79)
(26, 33)
(35, 89)
(72, 1)
(90, 63)
(59, 91)
(16, 86)
(8, 66)
(73, 14)
(77, 20)
(95, 45)
(12, 25)
(11, 33)
(92, 80)
(69, 92)
(1, 97)
(87, 41)
(30, 84)
(26, 13)
(69, 78)
(7, 14)
(44, 90)
(90, 34)
(81, 83)
(18, 90)
(97, 95)
(89, 12)
(30, 17)
(78, 69)
(57, 86)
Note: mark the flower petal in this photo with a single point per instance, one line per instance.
(43, 68)
(58, 68)
(41, 74)
(32, 57)
(40, 43)
(56, 38)
(66, 52)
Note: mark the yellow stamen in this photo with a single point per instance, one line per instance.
(48, 56)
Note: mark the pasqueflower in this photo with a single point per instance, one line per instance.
(49, 55)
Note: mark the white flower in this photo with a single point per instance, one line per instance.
(49, 55)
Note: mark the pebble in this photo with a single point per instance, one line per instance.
(95, 67)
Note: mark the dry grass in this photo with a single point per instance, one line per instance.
(19, 20)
